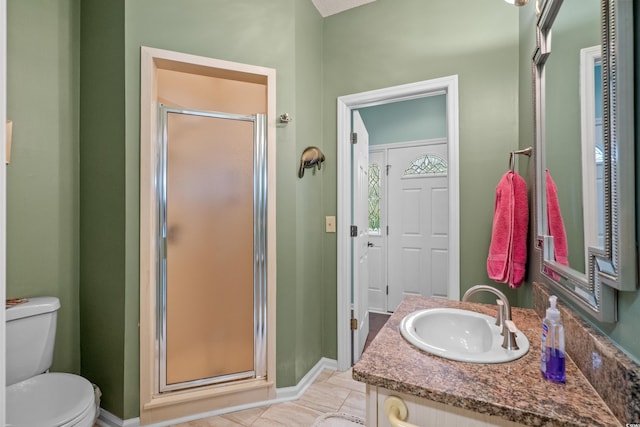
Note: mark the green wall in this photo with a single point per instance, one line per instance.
(526, 166)
(404, 121)
(42, 179)
(103, 177)
(307, 287)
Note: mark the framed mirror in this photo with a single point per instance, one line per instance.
(585, 171)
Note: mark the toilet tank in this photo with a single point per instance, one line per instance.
(30, 335)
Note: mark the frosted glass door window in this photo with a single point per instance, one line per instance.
(210, 283)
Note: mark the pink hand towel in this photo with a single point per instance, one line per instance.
(498, 265)
(520, 231)
(507, 258)
(555, 223)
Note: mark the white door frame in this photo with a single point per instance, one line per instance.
(445, 85)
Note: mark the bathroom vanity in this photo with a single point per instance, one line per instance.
(441, 392)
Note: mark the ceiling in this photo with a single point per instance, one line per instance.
(331, 7)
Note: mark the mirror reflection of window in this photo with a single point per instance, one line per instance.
(592, 136)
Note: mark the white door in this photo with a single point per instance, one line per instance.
(418, 235)
(360, 180)
(377, 232)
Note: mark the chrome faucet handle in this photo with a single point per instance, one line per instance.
(500, 316)
(509, 331)
(504, 308)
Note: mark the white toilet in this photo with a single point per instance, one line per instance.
(35, 398)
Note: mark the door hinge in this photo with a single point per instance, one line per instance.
(354, 324)
(387, 289)
(387, 230)
(354, 137)
(354, 231)
(388, 167)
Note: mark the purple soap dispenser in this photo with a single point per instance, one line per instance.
(552, 360)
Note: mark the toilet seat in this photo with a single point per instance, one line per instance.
(51, 400)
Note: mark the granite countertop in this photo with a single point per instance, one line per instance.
(515, 390)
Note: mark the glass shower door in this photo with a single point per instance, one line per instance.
(211, 290)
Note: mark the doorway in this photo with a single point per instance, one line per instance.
(409, 224)
(350, 298)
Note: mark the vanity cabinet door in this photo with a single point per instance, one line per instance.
(425, 413)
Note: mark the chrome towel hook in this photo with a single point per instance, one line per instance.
(285, 118)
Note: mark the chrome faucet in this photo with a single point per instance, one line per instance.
(503, 318)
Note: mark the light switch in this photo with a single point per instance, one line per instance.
(330, 224)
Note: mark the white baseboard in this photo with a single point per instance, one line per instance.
(107, 419)
(284, 394)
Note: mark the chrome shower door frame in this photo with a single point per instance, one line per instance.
(260, 193)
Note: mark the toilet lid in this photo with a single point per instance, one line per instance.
(48, 400)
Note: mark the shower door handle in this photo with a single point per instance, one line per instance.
(173, 232)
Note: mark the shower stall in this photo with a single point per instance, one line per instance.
(211, 287)
(207, 235)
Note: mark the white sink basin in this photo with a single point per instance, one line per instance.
(461, 335)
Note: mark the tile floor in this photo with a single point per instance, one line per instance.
(331, 392)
